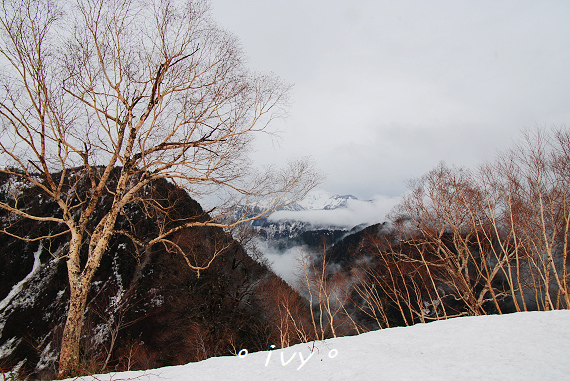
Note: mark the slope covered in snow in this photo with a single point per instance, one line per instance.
(522, 346)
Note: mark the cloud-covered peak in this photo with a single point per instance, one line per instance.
(322, 208)
(322, 200)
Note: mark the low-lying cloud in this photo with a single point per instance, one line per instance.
(287, 263)
(356, 213)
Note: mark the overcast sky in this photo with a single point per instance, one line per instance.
(384, 90)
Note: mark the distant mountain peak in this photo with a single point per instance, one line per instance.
(322, 200)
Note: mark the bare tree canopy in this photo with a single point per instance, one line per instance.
(504, 226)
(148, 90)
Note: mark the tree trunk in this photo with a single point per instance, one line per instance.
(69, 354)
(80, 283)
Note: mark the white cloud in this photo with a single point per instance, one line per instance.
(356, 213)
(285, 264)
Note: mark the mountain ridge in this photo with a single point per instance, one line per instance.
(146, 308)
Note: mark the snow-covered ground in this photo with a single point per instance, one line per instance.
(522, 346)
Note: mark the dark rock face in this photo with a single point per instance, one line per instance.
(146, 308)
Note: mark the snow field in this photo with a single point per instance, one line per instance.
(521, 346)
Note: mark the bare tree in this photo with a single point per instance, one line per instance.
(498, 233)
(328, 293)
(288, 313)
(536, 189)
(129, 93)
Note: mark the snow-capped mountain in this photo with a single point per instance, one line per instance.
(291, 221)
(320, 211)
(323, 200)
